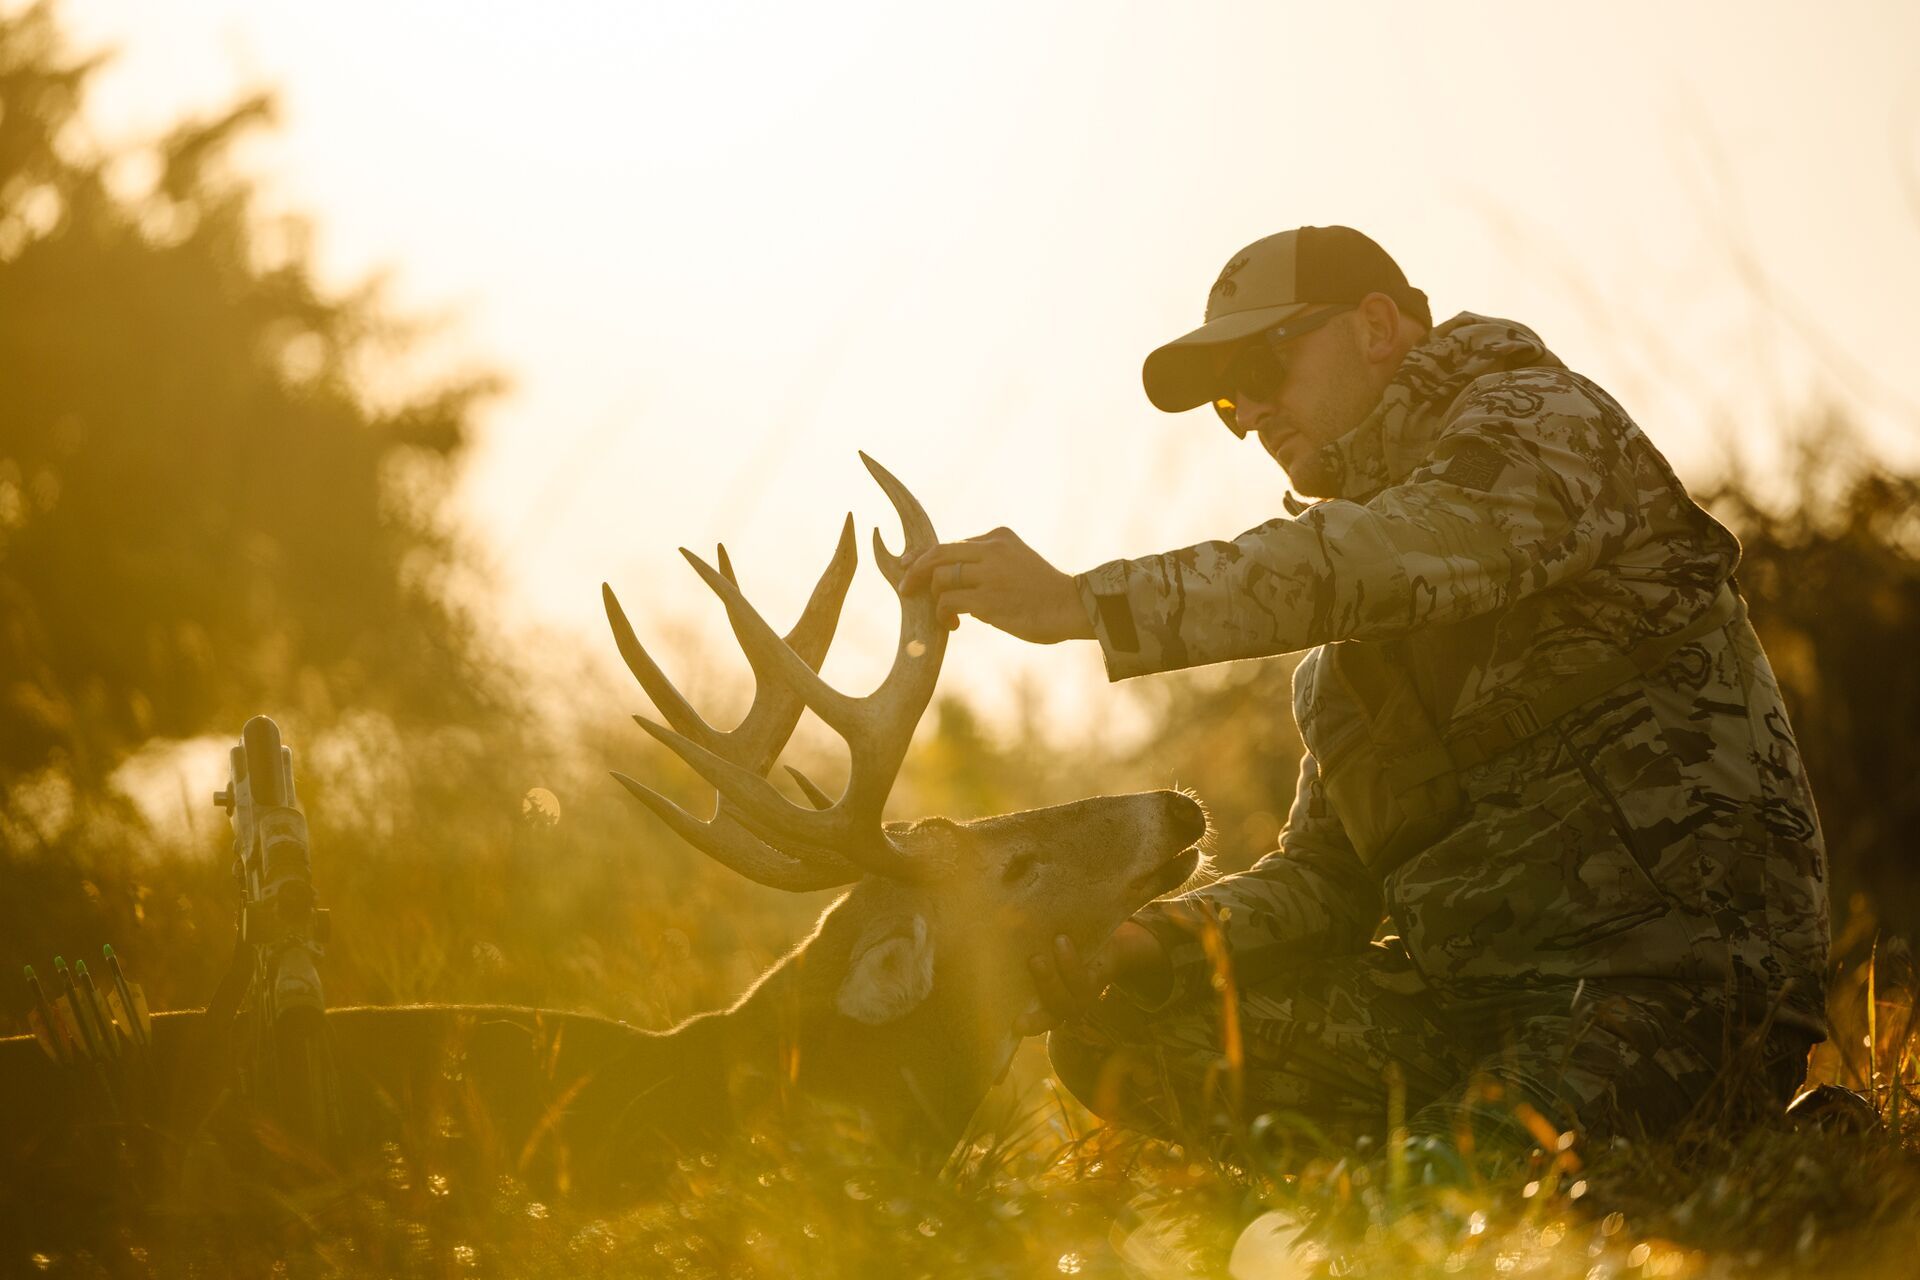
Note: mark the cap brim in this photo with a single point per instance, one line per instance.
(1184, 374)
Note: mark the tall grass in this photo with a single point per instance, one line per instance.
(452, 879)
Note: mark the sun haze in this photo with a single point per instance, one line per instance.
(717, 248)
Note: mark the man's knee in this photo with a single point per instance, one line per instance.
(1643, 1063)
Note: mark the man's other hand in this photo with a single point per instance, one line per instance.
(1003, 582)
(1068, 986)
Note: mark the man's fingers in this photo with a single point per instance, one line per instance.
(1046, 981)
(1064, 984)
(1073, 974)
(949, 605)
(959, 576)
(1101, 967)
(1035, 1022)
(932, 558)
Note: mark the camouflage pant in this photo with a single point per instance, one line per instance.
(1353, 1044)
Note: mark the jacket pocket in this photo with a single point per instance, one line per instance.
(1633, 779)
(1609, 804)
(1386, 769)
(1540, 882)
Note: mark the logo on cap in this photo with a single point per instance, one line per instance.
(1224, 287)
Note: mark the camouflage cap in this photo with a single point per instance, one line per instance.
(1266, 284)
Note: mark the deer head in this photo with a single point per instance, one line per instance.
(930, 942)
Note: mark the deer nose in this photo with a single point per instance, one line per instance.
(1189, 819)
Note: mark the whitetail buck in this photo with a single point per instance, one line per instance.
(900, 1005)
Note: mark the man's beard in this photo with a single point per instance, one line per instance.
(1311, 478)
(1304, 457)
(1316, 472)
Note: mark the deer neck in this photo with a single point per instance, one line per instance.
(918, 1078)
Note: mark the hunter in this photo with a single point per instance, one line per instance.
(1552, 857)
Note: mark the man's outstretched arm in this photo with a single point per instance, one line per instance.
(1531, 483)
(1508, 503)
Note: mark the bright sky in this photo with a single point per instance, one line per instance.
(718, 246)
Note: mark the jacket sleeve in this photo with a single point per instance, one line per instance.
(1529, 484)
(1311, 897)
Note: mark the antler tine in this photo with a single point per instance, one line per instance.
(678, 711)
(877, 727)
(769, 653)
(733, 781)
(761, 734)
(776, 708)
(914, 523)
(754, 803)
(814, 631)
(818, 798)
(896, 706)
(733, 846)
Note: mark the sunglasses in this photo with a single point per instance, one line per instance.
(1259, 368)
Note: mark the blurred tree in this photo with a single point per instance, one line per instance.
(1832, 574)
(202, 512)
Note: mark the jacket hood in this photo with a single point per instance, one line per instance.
(1391, 440)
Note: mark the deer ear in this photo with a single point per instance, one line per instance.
(891, 973)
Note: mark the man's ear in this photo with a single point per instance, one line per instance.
(890, 974)
(1380, 327)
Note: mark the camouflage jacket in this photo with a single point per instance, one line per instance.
(1502, 524)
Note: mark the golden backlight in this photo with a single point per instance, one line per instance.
(719, 247)
(345, 414)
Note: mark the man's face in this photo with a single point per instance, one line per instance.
(1328, 387)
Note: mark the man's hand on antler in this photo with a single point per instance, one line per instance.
(1068, 986)
(1003, 582)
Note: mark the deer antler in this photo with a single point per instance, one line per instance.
(755, 742)
(877, 727)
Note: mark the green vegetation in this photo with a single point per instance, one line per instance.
(204, 515)
(200, 509)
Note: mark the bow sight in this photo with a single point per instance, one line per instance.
(271, 999)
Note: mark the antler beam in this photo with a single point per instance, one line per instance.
(755, 829)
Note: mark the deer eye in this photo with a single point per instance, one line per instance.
(1017, 868)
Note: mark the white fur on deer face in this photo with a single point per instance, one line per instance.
(1009, 885)
(890, 971)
